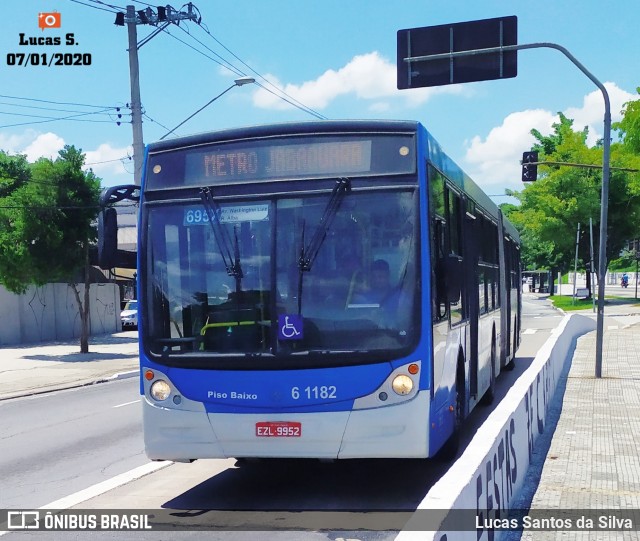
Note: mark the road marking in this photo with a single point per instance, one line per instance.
(126, 403)
(107, 485)
(530, 331)
(612, 327)
(104, 486)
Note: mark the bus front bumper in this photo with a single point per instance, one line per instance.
(397, 431)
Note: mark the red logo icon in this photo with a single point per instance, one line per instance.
(49, 20)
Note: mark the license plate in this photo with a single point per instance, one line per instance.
(278, 429)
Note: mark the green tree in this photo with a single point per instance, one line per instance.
(629, 131)
(14, 173)
(629, 126)
(551, 208)
(47, 225)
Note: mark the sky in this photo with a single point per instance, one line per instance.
(311, 59)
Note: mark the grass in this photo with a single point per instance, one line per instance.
(567, 303)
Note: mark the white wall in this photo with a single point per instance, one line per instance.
(50, 312)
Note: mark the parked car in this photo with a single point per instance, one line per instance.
(129, 315)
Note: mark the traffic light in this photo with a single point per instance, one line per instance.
(529, 166)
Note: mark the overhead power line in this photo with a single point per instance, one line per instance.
(155, 121)
(279, 92)
(166, 15)
(56, 109)
(222, 62)
(161, 17)
(110, 161)
(58, 102)
(73, 118)
(25, 207)
(227, 64)
(96, 7)
(113, 112)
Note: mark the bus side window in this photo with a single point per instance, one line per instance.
(454, 222)
(440, 304)
(454, 230)
(439, 251)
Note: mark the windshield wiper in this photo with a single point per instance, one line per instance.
(309, 253)
(230, 260)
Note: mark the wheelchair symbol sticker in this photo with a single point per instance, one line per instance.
(290, 327)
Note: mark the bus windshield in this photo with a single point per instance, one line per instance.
(228, 282)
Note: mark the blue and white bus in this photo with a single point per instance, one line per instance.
(329, 290)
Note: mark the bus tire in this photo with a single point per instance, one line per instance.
(449, 450)
(512, 363)
(490, 394)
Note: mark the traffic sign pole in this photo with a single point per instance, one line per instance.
(604, 198)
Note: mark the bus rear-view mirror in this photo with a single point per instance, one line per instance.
(107, 238)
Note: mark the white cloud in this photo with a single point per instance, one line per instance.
(367, 76)
(15, 143)
(591, 114)
(113, 164)
(379, 107)
(108, 162)
(494, 161)
(45, 145)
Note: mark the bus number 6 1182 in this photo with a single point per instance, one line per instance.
(324, 392)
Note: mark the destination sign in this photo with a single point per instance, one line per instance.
(282, 159)
(278, 161)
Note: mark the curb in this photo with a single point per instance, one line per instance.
(119, 375)
(62, 387)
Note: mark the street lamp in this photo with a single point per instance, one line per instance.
(238, 82)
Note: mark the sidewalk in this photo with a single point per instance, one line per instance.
(592, 466)
(36, 368)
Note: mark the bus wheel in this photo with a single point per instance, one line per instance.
(449, 450)
(491, 391)
(512, 363)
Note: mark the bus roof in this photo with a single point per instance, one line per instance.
(287, 128)
(435, 153)
(463, 181)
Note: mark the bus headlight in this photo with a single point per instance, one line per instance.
(402, 385)
(160, 390)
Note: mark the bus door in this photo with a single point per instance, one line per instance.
(504, 258)
(471, 239)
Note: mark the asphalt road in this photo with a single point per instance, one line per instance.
(58, 444)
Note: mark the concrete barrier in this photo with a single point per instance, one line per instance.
(480, 487)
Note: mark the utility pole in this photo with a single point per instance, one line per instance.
(575, 266)
(591, 269)
(165, 15)
(136, 105)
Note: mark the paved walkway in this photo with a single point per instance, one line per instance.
(36, 368)
(592, 467)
